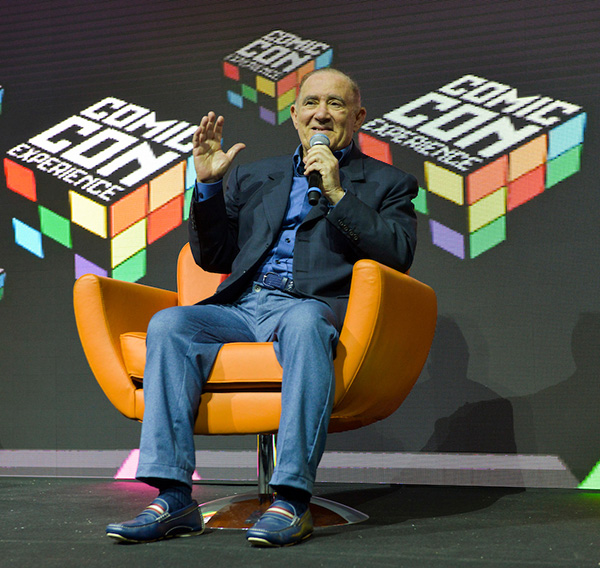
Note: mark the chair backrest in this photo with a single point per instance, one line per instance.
(193, 283)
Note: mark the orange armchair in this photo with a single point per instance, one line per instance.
(383, 346)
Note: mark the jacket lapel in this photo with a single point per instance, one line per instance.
(276, 193)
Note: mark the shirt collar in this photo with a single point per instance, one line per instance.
(299, 164)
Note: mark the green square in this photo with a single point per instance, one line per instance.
(1, 293)
(132, 269)
(187, 203)
(283, 115)
(563, 166)
(487, 237)
(420, 202)
(55, 226)
(249, 93)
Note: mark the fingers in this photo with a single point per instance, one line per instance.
(210, 129)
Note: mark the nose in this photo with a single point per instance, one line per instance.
(322, 111)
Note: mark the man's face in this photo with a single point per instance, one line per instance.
(326, 104)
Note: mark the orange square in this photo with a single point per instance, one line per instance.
(165, 219)
(20, 179)
(129, 210)
(527, 157)
(304, 70)
(487, 179)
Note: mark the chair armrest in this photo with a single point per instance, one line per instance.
(104, 309)
(384, 343)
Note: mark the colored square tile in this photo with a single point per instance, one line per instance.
(287, 83)
(132, 269)
(231, 71)
(267, 115)
(249, 93)
(286, 99)
(487, 209)
(84, 266)
(304, 70)
(284, 114)
(88, 214)
(166, 186)
(420, 202)
(566, 136)
(444, 183)
(127, 243)
(165, 219)
(20, 179)
(129, 210)
(55, 226)
(324, 60)
(527, 157)
(526, 188)
(563, 166)
(447, 239)
(235, 99)
(487, 237)
(378, 149)
(28, 238)
(265, 86)
(190, 173)
(487, 179)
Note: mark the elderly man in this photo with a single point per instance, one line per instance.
(290, 266)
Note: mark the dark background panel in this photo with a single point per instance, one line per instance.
(514, 363)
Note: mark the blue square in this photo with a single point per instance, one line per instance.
(566, 136)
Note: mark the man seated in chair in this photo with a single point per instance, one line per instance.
(290, 266)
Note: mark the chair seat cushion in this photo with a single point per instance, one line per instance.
(254, 365)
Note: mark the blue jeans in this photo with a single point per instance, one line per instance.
(182, 345)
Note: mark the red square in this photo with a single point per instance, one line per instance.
(165, 219)
(526, 187)
(20, 179)
(287, 83)
(231, 71)
(375, 148)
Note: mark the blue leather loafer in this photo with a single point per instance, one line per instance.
(155, 522)
(281, 525)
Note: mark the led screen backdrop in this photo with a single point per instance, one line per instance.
(494, 108)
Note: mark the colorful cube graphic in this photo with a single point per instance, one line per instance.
(2, 282)
(105, 183)
(481, 150)
(265, 74)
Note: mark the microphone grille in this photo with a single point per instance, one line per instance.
(317, 139)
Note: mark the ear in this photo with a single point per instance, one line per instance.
(360, 118)
(294, 116)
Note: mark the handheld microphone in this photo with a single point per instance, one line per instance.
(314, 178)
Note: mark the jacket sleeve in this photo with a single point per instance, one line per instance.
(385, 229)
(212, 229)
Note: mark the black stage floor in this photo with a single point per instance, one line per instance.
(48, 522)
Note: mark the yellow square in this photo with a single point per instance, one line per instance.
(167, 186)
(487, 209)
(127, 243)
(88, 214)
(445, 183)
(265, 86)
(286, 99)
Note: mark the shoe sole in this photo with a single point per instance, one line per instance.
(262, 542)
(121, 538)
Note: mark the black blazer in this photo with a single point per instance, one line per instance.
(232, 233)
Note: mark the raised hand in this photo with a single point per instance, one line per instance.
(210, 161)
